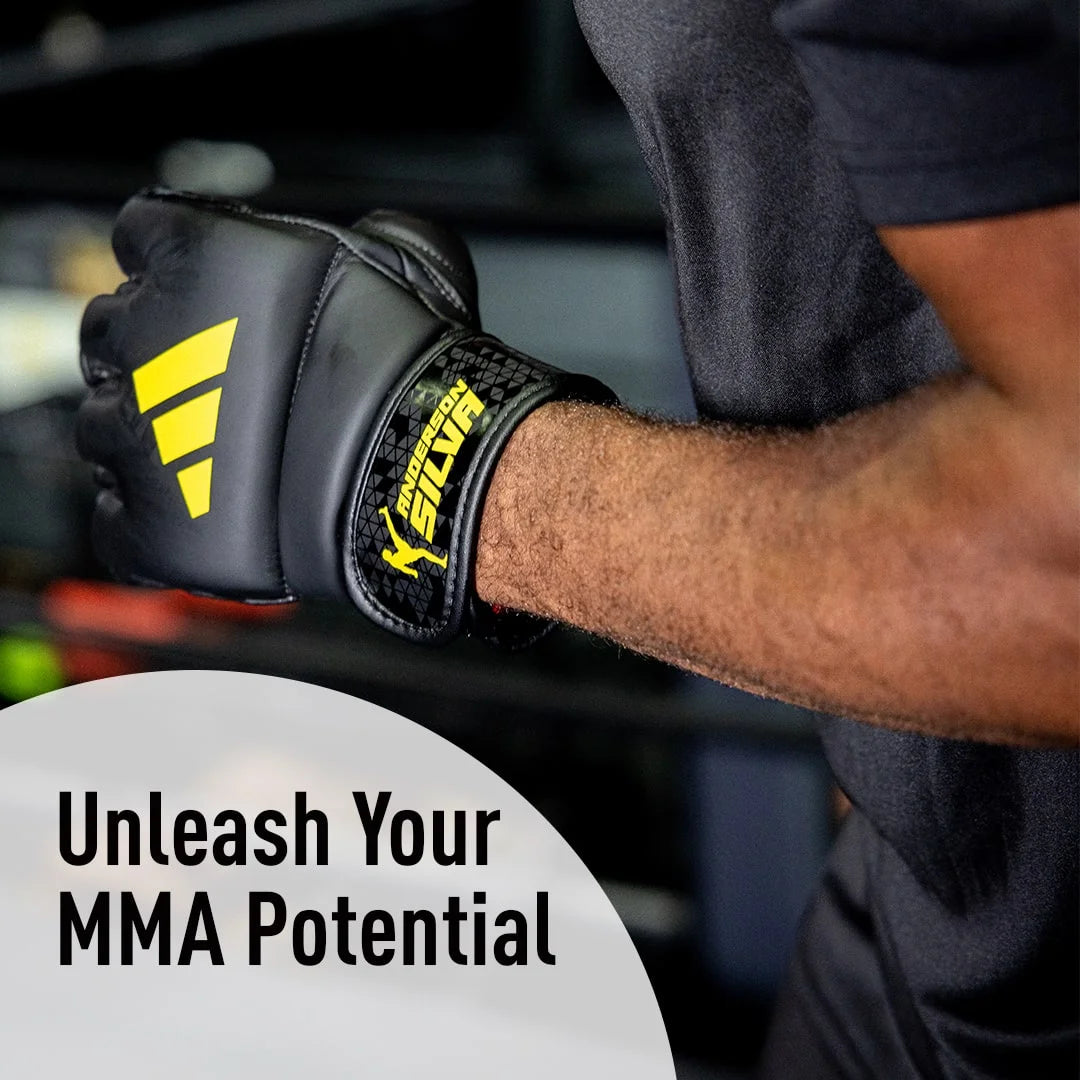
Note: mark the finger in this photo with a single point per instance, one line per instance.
(124, 538)
(107, 425)
(110, 537)
(98, 352)
(149, 227)
(106, 479)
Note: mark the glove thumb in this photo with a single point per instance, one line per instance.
(431, 258)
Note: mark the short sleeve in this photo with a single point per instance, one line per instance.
(944, 109)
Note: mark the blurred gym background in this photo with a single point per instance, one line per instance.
(704, 812)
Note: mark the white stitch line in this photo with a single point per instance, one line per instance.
(316, 311)
(389, 228)
(412, 247)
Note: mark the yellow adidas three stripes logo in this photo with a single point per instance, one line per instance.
(193, 425)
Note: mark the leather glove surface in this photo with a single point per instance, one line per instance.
(279, 407)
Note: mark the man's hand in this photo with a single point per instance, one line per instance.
(915, 564)
(283, 408)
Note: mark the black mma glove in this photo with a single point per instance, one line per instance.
(283, 408)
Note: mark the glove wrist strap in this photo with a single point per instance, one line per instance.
(414, 514)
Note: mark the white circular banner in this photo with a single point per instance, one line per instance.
(219, 875)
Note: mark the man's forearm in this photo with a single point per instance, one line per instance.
(915, 564)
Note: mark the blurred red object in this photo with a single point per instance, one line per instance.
(134, 614)
(83, 663)
(118, 611)
(206, 607)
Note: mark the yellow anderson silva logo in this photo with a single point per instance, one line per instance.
(425, 476)
(404, 554)
(193, 425)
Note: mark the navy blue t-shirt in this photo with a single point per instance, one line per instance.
(943, 942)
(944, 109)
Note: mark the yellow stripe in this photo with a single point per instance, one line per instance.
(195, 486)
(194, 360)
(187, 427)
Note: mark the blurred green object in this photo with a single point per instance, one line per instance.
(28, 666)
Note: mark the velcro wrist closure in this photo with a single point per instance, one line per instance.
(414, 515)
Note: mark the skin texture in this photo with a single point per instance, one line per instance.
(916, 564)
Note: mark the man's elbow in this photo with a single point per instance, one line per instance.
(1034, 520)
(1006, 511)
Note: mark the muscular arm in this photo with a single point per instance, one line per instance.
(916, 564)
